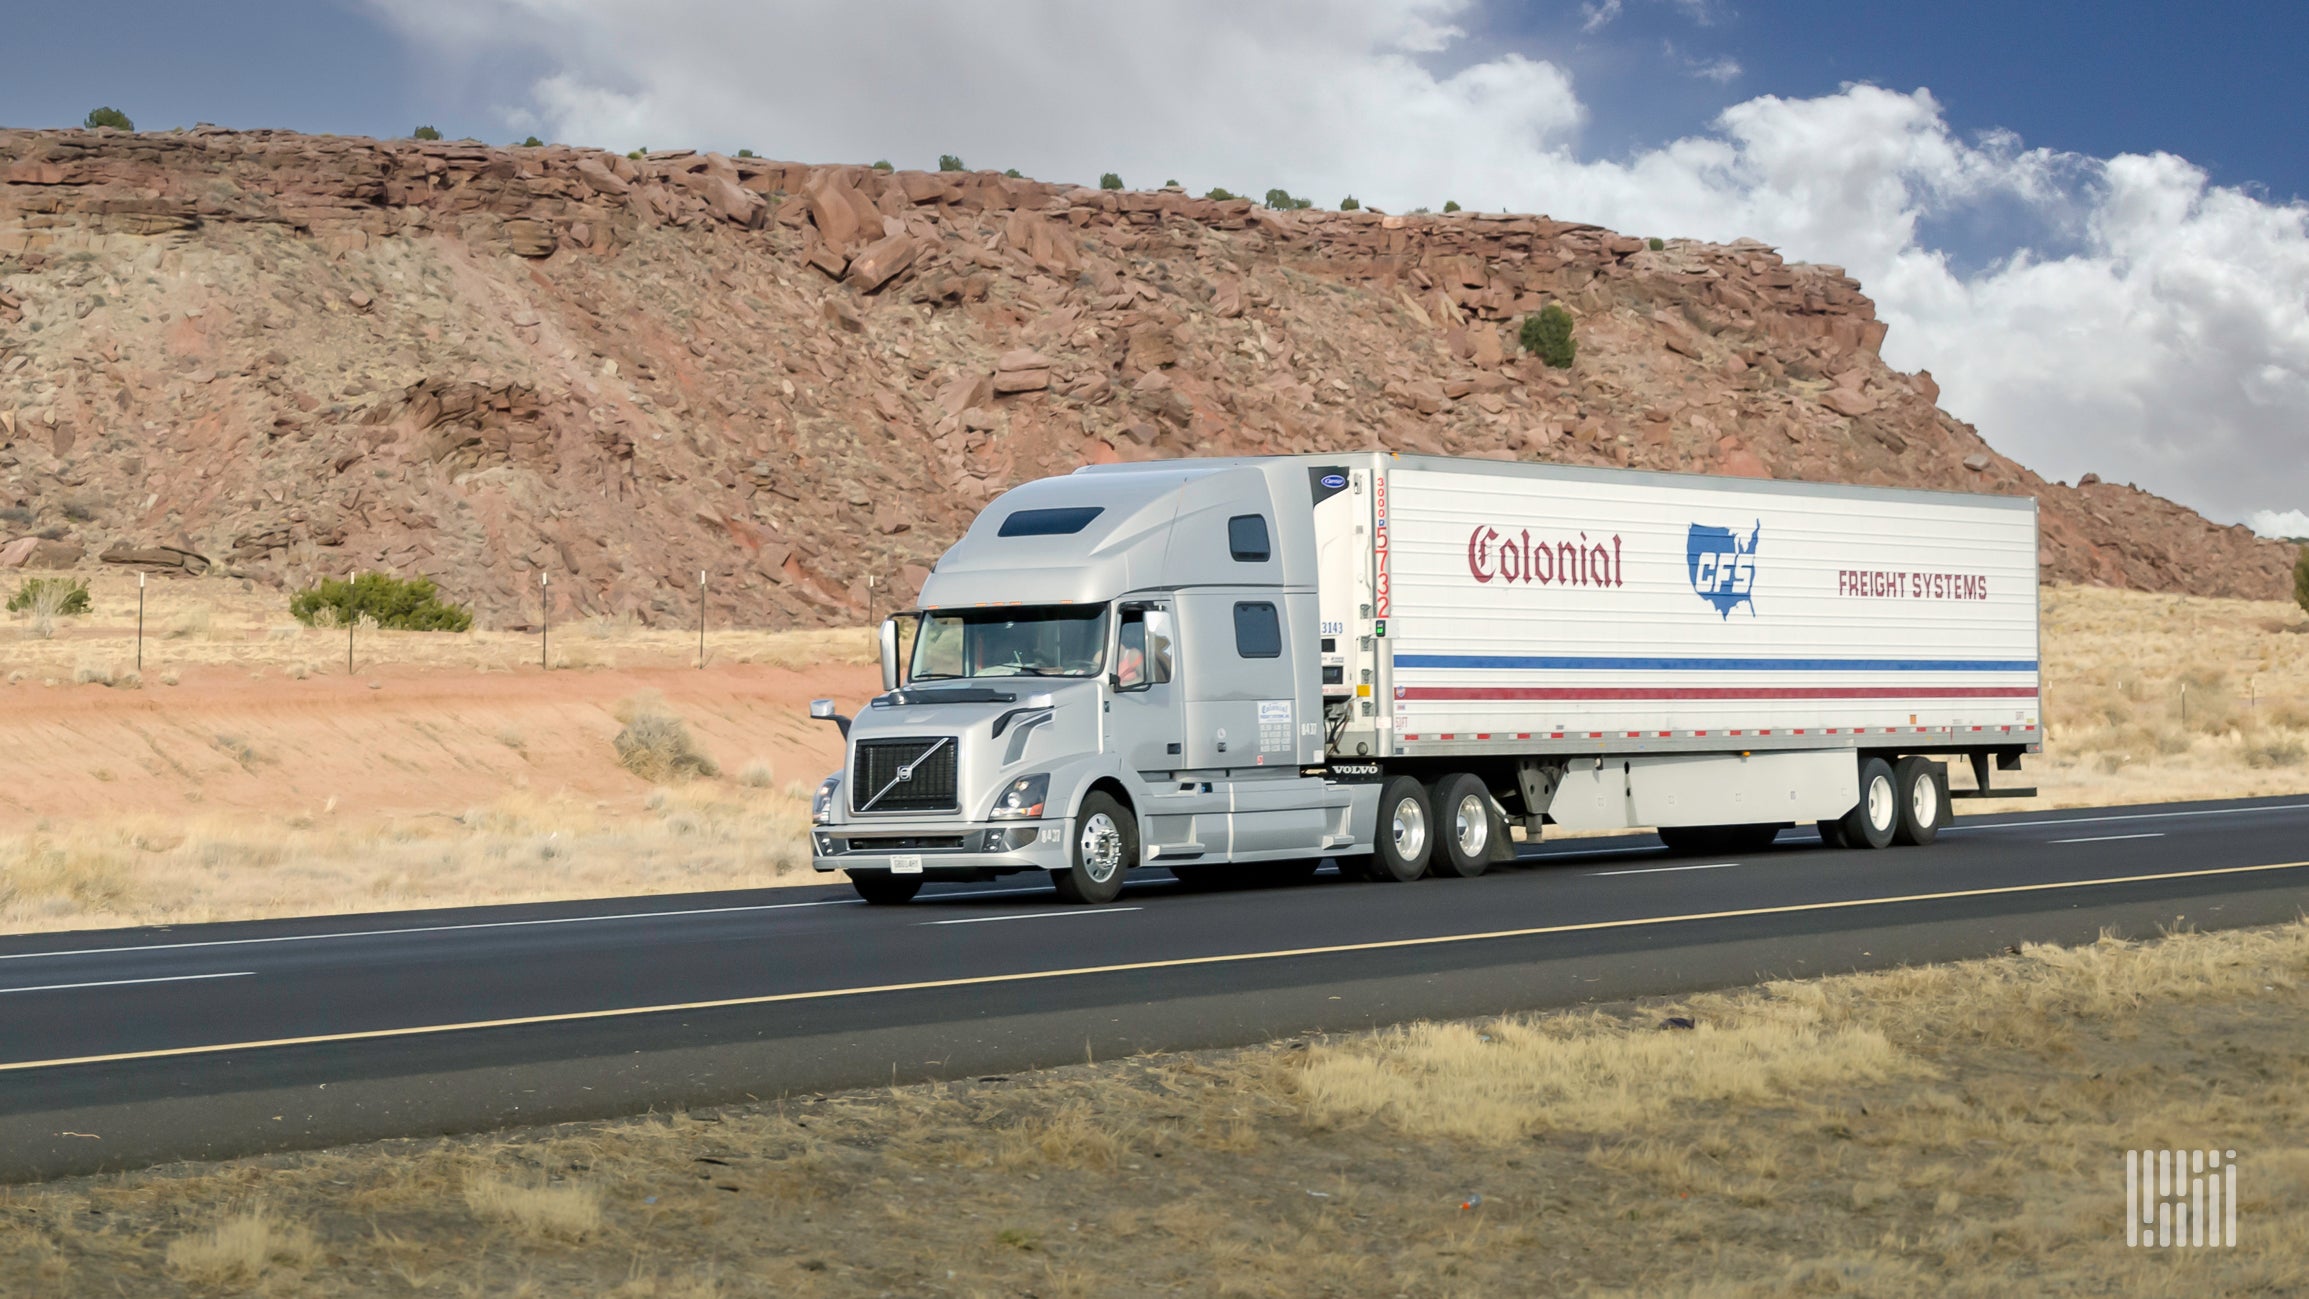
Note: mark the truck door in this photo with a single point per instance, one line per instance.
(1148, 724)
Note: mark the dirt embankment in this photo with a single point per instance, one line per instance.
(291, 356)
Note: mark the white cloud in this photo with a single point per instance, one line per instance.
(1595, 17)
(2167, 342)
(1722, 70)
(2273, 523)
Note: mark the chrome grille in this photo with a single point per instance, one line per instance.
(916, 774)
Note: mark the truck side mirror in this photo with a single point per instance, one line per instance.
(823, 710)
(889, 653)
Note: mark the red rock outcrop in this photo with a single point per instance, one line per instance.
(300, 355)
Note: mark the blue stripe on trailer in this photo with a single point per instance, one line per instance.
(1575, 662)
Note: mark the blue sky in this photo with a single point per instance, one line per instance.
(2084, 219)
(2223, 83)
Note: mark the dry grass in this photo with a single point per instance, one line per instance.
(240, 1248)
(545, 1211)
(2155, 697)
(188, 869)
(1954, 1130)
(655, 743)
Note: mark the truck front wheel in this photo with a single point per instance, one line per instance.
(1105, 848)
(1406, 833)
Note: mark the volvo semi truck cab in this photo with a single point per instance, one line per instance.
(1248, 666)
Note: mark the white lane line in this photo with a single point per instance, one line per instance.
(427, 929)
(1655, 870)
(2129, 816)
(2111, 838)
(118, 983)
(1033, 915)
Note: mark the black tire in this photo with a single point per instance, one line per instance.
(882, 889)
(1405, 837)
(1831, 834)
(1872, 820)
(1105, 848)
(1466, 829)
(1922, 785)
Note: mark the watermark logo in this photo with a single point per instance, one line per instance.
(2180, 1198)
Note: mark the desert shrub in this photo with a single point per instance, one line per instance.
(638, 154)
(424, 133)
(1220, 194)
(884, 164)
(2301, 579)
(745, 153)
(757, 774)
(1281, 201)
(1014, 173)
(1450, 205)
(111, 117)
(413, 604)
(1110, 181)
(1656, 243)
(2281, 751)
(1171, 184)
(655, 743)
(239, 1248)
(1350, 204)
(531, 143)
(948, 162)
(57, 597)
(1548, 333)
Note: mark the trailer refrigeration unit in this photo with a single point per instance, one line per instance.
(1393, 661)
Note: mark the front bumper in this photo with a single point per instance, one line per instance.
(942, 848)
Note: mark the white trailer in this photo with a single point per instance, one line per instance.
(1450, 647)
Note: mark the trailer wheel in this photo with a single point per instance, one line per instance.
(1105, 848)
(882, 889)
(1406, 832)
(1873, 820)
(1923, 788)
(1465, 828)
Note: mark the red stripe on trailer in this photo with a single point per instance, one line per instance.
(1483, 735)
(1555, 735)
(1698, 734)
(1596, 693)
(1595, 735)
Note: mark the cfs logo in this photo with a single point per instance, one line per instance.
(1722, 565)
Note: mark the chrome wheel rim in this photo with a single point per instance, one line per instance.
(1880, 802)
(1924, 802)
(1101, 847)
(1473, 825)
(1410, 829)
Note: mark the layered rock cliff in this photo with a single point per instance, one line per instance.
(290, 356)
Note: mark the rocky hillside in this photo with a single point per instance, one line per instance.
(288, 356)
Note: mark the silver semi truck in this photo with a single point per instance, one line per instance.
(1239, 667)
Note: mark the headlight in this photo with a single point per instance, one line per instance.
(1024, 798)
(822, 802)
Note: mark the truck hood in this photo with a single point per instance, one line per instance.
(1005, 725)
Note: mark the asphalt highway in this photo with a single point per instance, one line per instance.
(120, 1048)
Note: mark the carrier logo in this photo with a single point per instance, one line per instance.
(1722, 565)
(1518, 557)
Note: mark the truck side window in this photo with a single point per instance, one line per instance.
(1258, 632)
(1247, 538)
(1143, 655)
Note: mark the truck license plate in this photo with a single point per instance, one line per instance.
(906, 865)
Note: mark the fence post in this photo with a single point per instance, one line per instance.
(140, 622)
(701, 619)
(352, 620)
(544, 620)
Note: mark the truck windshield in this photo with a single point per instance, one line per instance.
(1051, 641)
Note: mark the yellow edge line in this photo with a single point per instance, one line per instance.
(772, 998)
